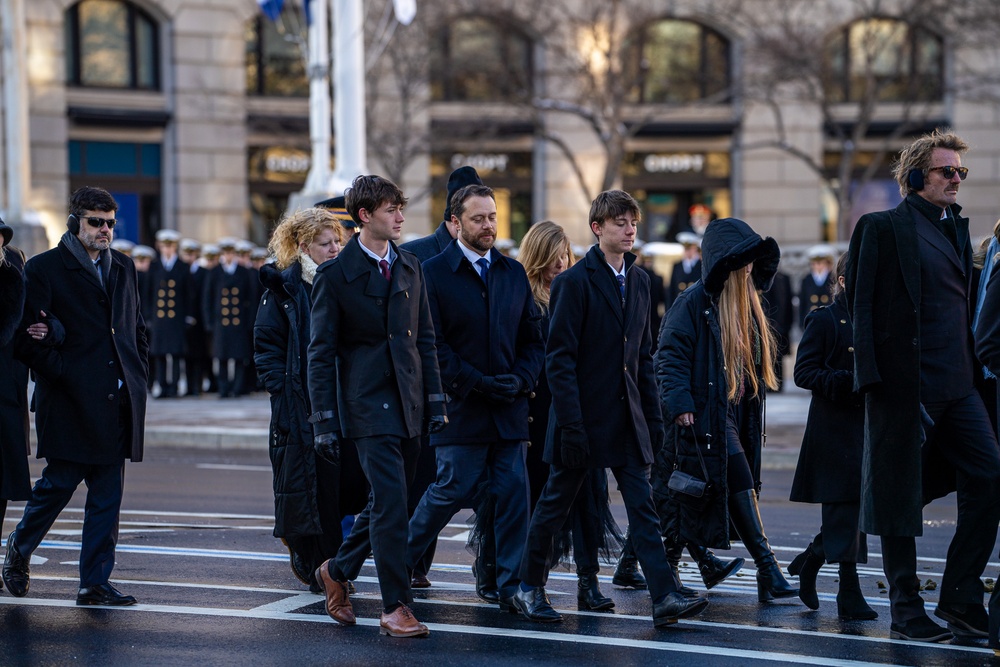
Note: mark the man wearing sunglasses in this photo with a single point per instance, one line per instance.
(90, 391)
(927, 430)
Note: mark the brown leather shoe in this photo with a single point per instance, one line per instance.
(401, 623)
(338, 604)
(419, 581)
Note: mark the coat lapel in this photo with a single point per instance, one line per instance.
(928, 232)
(903, 224)
(601, 276)
(73, 264)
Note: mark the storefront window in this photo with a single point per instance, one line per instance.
(677, 62)
(276, 56)
(886, 60)
(111, 44)
(475, 59)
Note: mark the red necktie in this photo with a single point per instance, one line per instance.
(383, 266)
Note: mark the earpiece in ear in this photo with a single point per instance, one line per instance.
(916, 179)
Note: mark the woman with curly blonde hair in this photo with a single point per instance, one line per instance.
(310, 495)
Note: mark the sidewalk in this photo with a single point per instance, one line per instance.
(210, 423)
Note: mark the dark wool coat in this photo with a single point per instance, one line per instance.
(483, 331)
(829, 468)
(429, 246)
(883, 296)
(195, 335)
(169, 306)
(77, 380)
(281, 339)
(372, 364)
(680, 280)
(691, 378)
(599, 361)
(14, 478)
(813, 296)
(228, 307)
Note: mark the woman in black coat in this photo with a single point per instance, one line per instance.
(311, 495)
(829, 469)
(14, 479)
(713, 365)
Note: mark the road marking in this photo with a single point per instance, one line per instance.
(274, 612)
(232, 466)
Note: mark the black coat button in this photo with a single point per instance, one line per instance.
(111, 397)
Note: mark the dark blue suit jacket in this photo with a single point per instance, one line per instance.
(482, 332)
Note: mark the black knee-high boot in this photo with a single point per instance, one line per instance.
(746, 517)
(674, 553)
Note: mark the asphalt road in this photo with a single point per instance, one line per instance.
(214, 588)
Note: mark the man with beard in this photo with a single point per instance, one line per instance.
(490, 352)
(90, 392)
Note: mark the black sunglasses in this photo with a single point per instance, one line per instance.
(949, 172)
(97, 223)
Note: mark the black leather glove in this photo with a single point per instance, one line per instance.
(436, 423)
(327, 447)
(575, 446)
(656, 438)
(510, 385)
(495, 390)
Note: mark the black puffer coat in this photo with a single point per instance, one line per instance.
(281, 337)
(690, 377)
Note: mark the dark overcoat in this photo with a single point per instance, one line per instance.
(169, 306)
(483, 330)
(195, 335)
(372, 365)
(883, 296)
(431, 245)
(599, 361)
(105, 351)
(690, 374)
(829, 468)
(813, 296)
(680, 280)
(228, 306)
(281, 340)
(15, 483)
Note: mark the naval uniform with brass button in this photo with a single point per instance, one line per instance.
(169, 308)
(90, 397)
(813, 295)
(227, 313)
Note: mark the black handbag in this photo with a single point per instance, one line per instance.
(685, 488)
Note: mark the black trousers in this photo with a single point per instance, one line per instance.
(168, 372)
(554, 506)
(425, 475)
(53, 491)
(231, 385)
(381, 529)
(963, 435)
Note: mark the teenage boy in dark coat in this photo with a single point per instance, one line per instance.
(90, 392)
(373, 377)
(908, 285)
(605, 410)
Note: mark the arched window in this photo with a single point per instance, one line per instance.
(276, 54)
(474, 59)
(112, 44)
(885, 58)
(676, 62)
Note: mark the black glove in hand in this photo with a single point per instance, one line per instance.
(436, 423)
(495, 390)
(327, 447)
(509, 385)
(575, 446)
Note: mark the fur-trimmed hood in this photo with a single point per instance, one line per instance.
(729, 244)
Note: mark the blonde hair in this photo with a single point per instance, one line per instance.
(300, 227)
(747, 339)
(544, 244)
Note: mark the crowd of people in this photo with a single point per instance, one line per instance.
(409, 382)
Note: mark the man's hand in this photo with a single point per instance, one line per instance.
(496, 390)
(575, 446)
(327, 447)
(509, 385)
(436, 423)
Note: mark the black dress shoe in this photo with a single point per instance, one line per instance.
(105, 595)
(534, 604)
(920, 629)
(300, 568)
(589, 595)
(16, 570)
(965, 620)
(676, 606)
(486, 581)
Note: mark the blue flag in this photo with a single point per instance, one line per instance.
(271, 8)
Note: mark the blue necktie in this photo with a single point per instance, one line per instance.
(621, 285)
(484, 266)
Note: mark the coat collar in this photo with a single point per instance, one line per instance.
(454, 256)
(356, 264)
(605, 283)
(442, 236)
